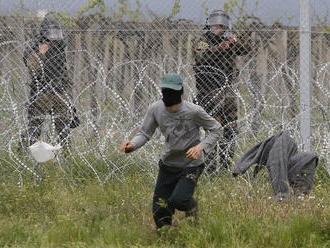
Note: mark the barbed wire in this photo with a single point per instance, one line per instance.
(114, 80)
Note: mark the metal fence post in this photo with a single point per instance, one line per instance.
(305, 74)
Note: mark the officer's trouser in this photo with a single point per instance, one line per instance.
(41, 104)
(220, 101)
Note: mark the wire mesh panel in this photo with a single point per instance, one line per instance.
(82, 75)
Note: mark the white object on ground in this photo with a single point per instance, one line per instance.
(42, 151)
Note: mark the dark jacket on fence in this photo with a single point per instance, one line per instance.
(286, 166)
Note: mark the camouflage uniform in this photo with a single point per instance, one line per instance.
(215, 73)
(49, 90)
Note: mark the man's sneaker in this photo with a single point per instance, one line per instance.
(280, 197)
(193, 213)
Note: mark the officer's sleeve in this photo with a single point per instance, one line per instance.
(28, 50)
(243, 46)
(33, 62)
(147, 129)
(209, 124)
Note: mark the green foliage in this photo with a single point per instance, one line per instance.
(323, 24)
(65, 19)
(123, 11)
(21, 3)
(237, 8)
(175, 9)
(92, 4)
(203, 5)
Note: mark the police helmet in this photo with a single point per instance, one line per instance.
(51, 29)
(218, 17)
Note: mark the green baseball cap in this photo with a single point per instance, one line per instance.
(172, 81)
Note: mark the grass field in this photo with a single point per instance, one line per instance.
(232, 214)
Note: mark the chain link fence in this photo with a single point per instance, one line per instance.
(90, 93)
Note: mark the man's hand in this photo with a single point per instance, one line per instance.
(194, 152)
(126, 147)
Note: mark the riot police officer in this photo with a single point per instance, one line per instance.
(50, 86)
(215, 72)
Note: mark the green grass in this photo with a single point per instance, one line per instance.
(232, 214)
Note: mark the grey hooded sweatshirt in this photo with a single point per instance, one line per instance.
(181, 130)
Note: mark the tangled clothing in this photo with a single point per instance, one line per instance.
(287, 167)
(181, 130)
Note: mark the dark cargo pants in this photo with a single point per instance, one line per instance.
(174, 190)
(49, 103)
(219, 100)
